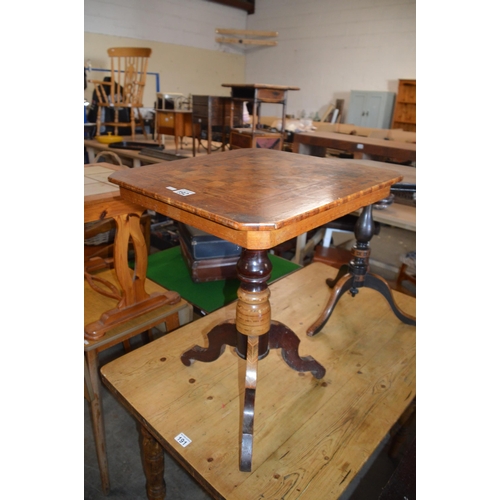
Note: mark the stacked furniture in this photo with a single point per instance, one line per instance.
(256, 95)
(212, 117)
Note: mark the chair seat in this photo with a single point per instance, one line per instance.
(332, 256)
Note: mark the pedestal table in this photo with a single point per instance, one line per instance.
(255, 198)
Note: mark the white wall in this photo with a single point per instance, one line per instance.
(180, 22)
(330, 47)
(181, 34)
(325, 47)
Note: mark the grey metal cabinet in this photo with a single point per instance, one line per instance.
(371, 109)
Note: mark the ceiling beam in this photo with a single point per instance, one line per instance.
(247, 5)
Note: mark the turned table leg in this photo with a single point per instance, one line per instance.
(153, 461)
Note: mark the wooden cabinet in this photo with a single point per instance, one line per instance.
(405, 110)
(174, 122)
(370, 109)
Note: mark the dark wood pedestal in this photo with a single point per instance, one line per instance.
(356, 275)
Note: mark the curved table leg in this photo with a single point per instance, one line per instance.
(340, 287)
(379, 284)
(280, 336)
(220, 336)
(331, 282)
(249, 404)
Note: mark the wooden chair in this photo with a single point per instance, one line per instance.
(96, 305)
(124, 90)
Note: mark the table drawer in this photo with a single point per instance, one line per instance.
(265, 140)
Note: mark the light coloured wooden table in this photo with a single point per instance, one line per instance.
(316, 143)
(257, 199)
(312, 436)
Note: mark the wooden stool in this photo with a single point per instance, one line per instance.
(96, 305)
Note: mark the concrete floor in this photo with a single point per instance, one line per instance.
(126, 475)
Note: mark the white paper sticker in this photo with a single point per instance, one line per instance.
(360, 146)
(184, 192)
(182, 439)
(171, 188)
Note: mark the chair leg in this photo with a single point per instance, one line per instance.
(141, 122)
(126, 345)
(147, 336)
(132, 123)
(92, 383)
(172, 322)
(98, 121)
(116, 120)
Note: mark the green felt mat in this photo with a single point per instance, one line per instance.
(167, 268)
